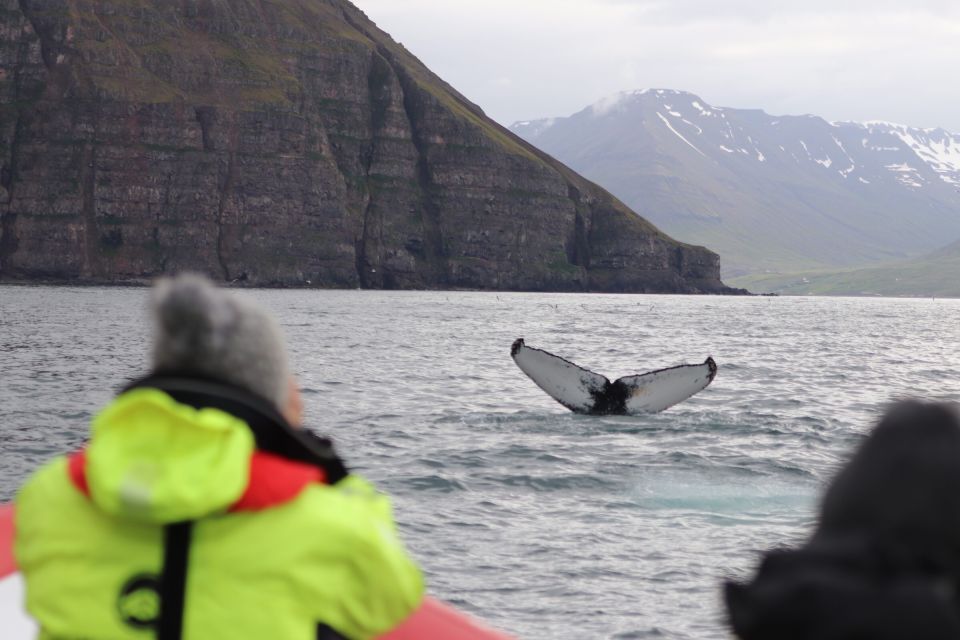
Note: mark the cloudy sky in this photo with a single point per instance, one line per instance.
(840, 59)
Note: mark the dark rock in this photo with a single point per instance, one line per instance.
(285, 144)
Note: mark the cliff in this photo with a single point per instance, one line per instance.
(285, 143)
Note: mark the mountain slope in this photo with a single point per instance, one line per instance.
(932, 275)
(768, 193)
(284, 143)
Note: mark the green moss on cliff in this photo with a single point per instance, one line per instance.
(560, 264)
(149, 90)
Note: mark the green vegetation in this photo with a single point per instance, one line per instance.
(149, 69)
(257, 70)
(559, 263)
(149, 89)
(935, 275)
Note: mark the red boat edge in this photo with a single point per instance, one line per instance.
(433, 619)
(7, 564)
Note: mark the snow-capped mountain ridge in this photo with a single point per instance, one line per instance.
(936, 147)
(859, 191)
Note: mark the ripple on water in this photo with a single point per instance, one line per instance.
(548, 524)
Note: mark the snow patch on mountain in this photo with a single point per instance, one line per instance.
(937, 148)
(667, 122)
(907, 175)
(709, 113)
(942, 153)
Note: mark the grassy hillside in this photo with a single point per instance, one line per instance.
(937, 275)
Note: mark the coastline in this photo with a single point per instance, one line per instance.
(147, 282)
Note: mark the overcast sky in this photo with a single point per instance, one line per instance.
(840, 59)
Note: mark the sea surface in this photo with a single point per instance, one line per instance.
(541, 522)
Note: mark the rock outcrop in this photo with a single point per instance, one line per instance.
(284, 143)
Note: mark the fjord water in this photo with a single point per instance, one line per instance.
(544, 523)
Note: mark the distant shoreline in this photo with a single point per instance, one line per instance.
(142, 283)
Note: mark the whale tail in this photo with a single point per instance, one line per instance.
(584, 391)
(661, 389)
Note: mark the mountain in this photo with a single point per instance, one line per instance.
(932, 275)
(769, 193)
(287, 143)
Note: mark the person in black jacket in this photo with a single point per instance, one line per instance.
(884, 560)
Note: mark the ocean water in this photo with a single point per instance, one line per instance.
(543, 523)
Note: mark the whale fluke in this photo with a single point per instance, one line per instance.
(583, 391)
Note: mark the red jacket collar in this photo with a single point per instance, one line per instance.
(274, 480)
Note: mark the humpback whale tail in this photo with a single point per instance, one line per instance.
(583, 391)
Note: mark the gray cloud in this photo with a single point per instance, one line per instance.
(690, 11)
(844, 60)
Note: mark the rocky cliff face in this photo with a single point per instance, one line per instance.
(284, 142)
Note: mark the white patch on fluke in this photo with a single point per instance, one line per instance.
(563, 381)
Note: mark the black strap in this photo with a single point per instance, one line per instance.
(173, 585)
(271, 431)
(325, 632)
(173, 579)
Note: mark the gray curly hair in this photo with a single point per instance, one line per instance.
(204, 330)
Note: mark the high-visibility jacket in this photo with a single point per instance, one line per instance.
(173, 524)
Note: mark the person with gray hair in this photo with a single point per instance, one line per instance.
(201, 331)
(200, 507)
